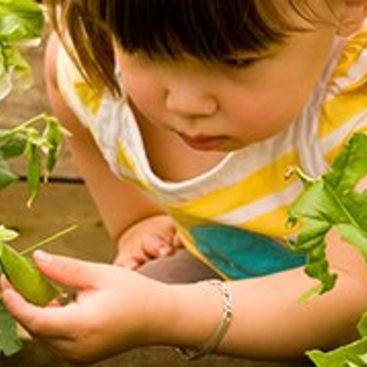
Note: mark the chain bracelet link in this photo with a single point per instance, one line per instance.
(225, 321)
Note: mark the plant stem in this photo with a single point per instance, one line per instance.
(291, 171)
(24, 125)
(54, 237)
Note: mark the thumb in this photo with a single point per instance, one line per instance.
(67, 271)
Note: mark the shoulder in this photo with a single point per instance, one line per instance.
(351, 70)
(66, 84)
(344, 110)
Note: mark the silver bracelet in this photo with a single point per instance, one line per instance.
(227, 313)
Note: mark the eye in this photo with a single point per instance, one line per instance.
(240, 63)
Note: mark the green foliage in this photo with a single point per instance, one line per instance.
(334, 201)
(331, 201)
(352, 355)
(20, 21)
(27, 280)
(10, 343)
(37, 138)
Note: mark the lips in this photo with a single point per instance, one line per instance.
(204, 142)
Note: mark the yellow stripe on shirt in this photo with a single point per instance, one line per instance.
(341, 109)
(351, 54)
(90, 97)
(333, 153)
(272, 224)
(127, 164)
(263, 182)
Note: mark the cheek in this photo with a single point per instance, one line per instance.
(145, 92)
(258, 117)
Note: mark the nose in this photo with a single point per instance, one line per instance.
(191, 101)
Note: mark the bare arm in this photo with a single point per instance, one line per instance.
(269, 319)
(121, 204)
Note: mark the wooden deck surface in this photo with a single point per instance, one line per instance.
(58, 205)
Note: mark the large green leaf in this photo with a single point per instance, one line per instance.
(332, 201)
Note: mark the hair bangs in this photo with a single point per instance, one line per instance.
(210, 29)
(206, 29)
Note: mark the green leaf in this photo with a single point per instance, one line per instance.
(332, 201)
(38, 145)
(354, 236)
(10, 343)
(6, 175)
(7, 235)
(12, 145)
(20, 20)
(354, 354)
(362, 325)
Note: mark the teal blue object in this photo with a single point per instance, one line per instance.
(241, 254)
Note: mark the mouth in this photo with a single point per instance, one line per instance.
(204, 142)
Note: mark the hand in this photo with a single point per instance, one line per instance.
(114, 309)
(149, 239)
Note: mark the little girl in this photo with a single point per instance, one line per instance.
(185, 115)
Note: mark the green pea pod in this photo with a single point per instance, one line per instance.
(26, 278)
(51, 161)
(53, 134)
(34, 171)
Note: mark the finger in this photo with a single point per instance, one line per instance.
(140, 257)
(131, 261)
(154, 246)
(5, 284)
(53, 321)
(67, 271)
(177, 241)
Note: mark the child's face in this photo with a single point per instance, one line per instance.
(225, 107)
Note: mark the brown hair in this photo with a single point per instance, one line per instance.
(206, 29)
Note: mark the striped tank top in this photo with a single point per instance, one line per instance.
(233, 216)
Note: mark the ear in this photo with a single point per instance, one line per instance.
(352, 17)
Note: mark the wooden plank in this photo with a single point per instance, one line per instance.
(57, 206)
